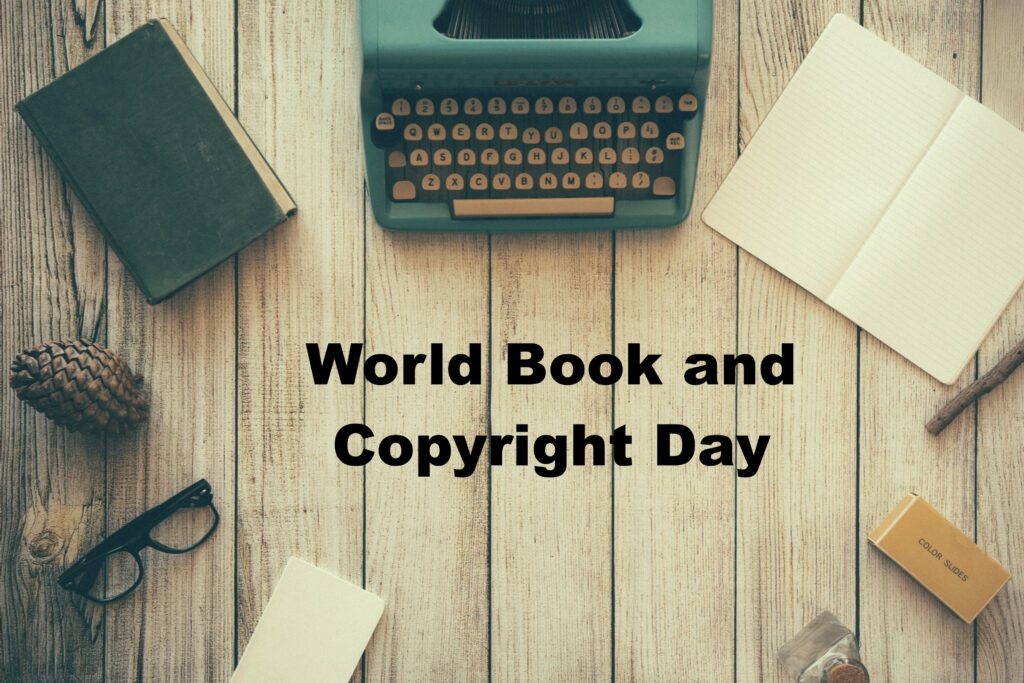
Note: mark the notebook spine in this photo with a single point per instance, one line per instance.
(24, 109)
(267, 174)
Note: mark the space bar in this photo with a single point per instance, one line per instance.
(533, 207)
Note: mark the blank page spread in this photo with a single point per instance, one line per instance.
(314, 628)
(889, 194)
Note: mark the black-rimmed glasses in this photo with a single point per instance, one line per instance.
(113, 569)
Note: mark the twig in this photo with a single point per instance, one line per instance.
(978, 388)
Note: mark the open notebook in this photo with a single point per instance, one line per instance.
(889, 194)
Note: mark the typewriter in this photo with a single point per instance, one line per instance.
(533, 114)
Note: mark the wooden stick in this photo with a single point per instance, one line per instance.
(976, 389)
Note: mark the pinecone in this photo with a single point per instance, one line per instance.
(80, 385)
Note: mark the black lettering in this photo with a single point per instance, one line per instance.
(641, 368)
(374, 376)
(525, 370)
(730, 363)
(665, 434)
(576, 369)
(614, 369)
(321, 366)
(466, 368)
(341, 445)
(784, 362)
(404, 450)
(704, 370)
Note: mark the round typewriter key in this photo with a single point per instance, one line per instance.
(524, 181)
(654, 156)
(485, 132)
(460, 132)
(602, 131)
(396, 159)
(466, 157)
(442, 157)
(688, 103)
(559, 156)
(641, 181)
(403, 190)
(436, 131)
(478, 181)
(508, 131)
(675, 141)
(449, 107)
(607, 156)
(641, 105)
(649, 130)
(513, 157)
(385, 122)
(630, 155)
(453, 183)
(474, 107)
(616, 105)
(584, 157)
(571, 181)
(553, 135)
(537, 157)
(531, 136)
(627, 131)
(501, 181)
(595, 181)
(400, 107)
(567, 105)
(664, 105)
(548, 181)
(592, 105)
(413, 132)
(664, 187)
(579, 131)
(520, 105)
(431, 182)
(544, 105)
(489, 157)
(617, 180)
(419, 157)
(496, 106)
(424, 107)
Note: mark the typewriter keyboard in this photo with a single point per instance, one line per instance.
(539, 156)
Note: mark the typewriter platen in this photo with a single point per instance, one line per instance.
(525, 115)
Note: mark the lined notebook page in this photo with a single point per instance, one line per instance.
(946, 258)
(867, 184)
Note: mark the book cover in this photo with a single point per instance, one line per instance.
(157, 158)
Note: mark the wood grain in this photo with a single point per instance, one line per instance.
(922, 640)
(185, 349)
(675, 294)
(53, 263)
(796, 520)
(1000, 474)
(298, 72)
(502, 575)
(427, 554)
(551, 538)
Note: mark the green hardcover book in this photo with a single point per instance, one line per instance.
(157, 158)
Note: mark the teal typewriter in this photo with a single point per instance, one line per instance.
(533, 114)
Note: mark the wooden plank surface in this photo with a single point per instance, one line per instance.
(1000, 474)
(52, 263)
(635, 574)
(551, 557)
(185, 349)
(298, 70)
(897, 455)
(796, 520)
(675, 294)
(427, 556)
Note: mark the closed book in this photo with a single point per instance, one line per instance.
(157, 158)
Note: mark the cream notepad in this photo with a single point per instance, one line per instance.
(314, 629)
(886, 192)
